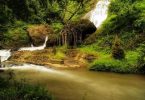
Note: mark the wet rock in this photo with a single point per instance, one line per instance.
(72, 63)
(11, 63)
(90, 57)
(56, 61)
(53, 40)
(37, 33)
(74, 33)
(1, 70)
(72, 53)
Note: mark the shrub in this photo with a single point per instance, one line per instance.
(112, 65)
(16, 37)
(117, 50)
(105, 63)
(141, 59)
(13, 90)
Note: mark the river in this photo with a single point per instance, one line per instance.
(82, 84)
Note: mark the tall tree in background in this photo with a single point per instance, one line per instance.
(39, 11)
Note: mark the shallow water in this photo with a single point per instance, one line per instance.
(87, 85)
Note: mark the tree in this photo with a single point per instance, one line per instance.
(117, 50)
(141, 58)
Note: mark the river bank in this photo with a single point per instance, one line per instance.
(86, 57)
(56, 58)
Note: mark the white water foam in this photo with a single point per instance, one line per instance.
(33, 67)
(99, 14)
(33, 48)
(5, 54)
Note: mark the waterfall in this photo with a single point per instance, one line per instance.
(99, 13)
(33, 48)
(4, 55)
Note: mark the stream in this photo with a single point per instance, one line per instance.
(82, 84)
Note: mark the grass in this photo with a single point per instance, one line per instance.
(107, 63)
(41, 57)
(11, 89)
(59, 55)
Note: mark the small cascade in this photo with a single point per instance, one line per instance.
(31, 67)
(99, 14)
(4, 55)
(32, 45)
(33, 48)
(38, 68)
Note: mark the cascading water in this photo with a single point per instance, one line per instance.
(4, 54)
(99, 14)
(32, 48)
(33, 67)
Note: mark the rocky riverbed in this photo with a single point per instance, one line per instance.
(69, 59)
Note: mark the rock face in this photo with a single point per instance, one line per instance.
(74, 33)
(37, 33)
(53, 40)
(71, 35)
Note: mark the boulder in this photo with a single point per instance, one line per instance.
(38, 33)
(52, 40)
(74, 33)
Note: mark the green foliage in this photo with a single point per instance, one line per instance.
(117, 50)
(52, 12)
(106, 63)
(141, 59)
(125, 16)
(6, 14)
(13, 90)
(57, 27)
(16, 35)
(59, 55)
(42, 11)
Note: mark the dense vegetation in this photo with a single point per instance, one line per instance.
(126, 19)
(17, 15)
(10, 89)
